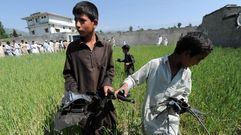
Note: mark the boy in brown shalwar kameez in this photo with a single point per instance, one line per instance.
(88, 74)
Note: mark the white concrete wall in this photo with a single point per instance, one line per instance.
(39, 30)
(61, 21)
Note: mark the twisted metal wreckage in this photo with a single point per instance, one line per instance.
(76, 109)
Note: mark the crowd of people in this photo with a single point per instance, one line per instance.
(23, 47)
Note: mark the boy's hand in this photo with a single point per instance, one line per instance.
(107, 89)
(124, 88)
(184, 106)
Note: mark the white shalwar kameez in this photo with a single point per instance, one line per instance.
(157, 119)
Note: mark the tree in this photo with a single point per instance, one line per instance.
(101, 32)
(3, 34)
(130, 28)
(179, 25)
(15, 34)
(141, 29)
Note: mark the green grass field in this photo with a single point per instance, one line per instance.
(31, 88)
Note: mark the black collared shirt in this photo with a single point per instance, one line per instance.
(86, 70)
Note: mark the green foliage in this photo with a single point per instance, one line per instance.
(15, 34)
(179, 25)
(216, 91)
(32, 86)
(130, 28)
(3, 34)
(141, 29)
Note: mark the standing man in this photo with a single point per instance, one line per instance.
(165, 41)
(112, 40)
(34, 47)
(8, 49)
(159, 40)
(88, 74)
(1, 50)
(16, 49)
(23, 47)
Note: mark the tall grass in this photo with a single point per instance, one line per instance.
(217, 91)
(31, 88)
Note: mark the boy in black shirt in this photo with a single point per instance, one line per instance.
(128, 60)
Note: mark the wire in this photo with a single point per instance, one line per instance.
(200, 121)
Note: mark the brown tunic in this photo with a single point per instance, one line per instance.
(86, 70)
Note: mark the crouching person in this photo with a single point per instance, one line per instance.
(168, 77)
(88, 74)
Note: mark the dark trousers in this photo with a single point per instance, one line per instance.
(96, 118)
(103, 122)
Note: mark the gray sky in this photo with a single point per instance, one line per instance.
(117, 14)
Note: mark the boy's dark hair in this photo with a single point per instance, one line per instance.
(86, 8)
(126, 47)
(195, 43)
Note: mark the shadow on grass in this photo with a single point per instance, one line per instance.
(74, 130)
